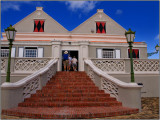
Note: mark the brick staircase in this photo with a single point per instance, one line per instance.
(69, 95)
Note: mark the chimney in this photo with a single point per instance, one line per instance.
(99, 10)
(39, 8)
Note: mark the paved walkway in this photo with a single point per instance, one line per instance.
(150, 110)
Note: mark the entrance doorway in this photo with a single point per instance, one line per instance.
(72, 53)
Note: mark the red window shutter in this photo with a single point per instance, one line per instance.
(36, 22)
(42, 26)
(100, 27)
(98, 30)
(39, 26)
(135, 53)
(35, 30)
(35, 25)
(103, 24)
(103, 31)
(104, 28)
(98, 23)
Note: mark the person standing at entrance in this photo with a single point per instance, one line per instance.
(74, 63)
(65, 61)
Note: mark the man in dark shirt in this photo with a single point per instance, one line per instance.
(65, 61)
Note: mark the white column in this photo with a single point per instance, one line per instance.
(83, 54)
(56, 52)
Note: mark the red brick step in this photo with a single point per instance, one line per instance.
(69, 112)
(71, 99)
(71, 95)
(69, 104)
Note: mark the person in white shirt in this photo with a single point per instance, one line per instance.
(74, 63)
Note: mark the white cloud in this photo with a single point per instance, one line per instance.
(8, 5)
(85, 6)
(119, 12)
(157, 37)
(16, 5)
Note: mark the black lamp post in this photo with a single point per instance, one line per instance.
(10, 33)
(152, 53)
(130, 35)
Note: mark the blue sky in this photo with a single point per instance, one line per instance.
(140, 16)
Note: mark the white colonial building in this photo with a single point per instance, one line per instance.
(98, 43)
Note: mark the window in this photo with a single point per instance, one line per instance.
(39, 26)
(100, 27)
(135, 53)
(30, 52)
(108, 53)
(4, 51)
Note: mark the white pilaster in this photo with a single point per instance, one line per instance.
(56, 52)
(83, 54)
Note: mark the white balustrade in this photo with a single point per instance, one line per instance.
(3, 64)
(109, 87)
(110, 65)
(31, 87)
(24, 65)
(29, 64)
(28, 85)
(119, 65)
(146, 65)
(122, 91)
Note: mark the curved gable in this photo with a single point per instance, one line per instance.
(50, 25)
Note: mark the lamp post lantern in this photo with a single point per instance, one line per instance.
(157, 47)
(130, 35)
(152, 53)
(10, 33)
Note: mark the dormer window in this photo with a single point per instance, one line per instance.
(39, 26)
(100, 27)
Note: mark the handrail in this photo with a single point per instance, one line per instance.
(30, 77)
(110, 78)
(127, 93)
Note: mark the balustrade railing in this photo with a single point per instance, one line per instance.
(27, 86)
(24, 65)
(3, 64)
(123, 65)
(146, 65)
(110, 65)
(122, 91)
